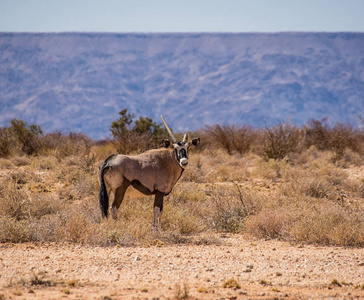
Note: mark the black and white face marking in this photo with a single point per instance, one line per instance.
(181, 149)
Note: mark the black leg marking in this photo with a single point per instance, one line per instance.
(158, 210)
(158, 200)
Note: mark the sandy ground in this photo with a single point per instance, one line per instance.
(264, 270)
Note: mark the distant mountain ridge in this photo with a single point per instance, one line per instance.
(80, 81)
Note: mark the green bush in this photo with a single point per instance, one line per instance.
(131, 136)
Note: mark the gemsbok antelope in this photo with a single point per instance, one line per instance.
(154, 172)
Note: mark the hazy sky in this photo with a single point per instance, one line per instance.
(181, 16)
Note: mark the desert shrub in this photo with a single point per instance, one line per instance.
(303, 219)
(195, 171)
(79, 187)
(224, 173)
(20, 138)
(219, 166)
(228, 210)
(337, 139)
(102, 149)
(319, 179)
(220, 136)
(232, 138)
(15, 231)
(73, 149)
(317, 134)
(5, 142)
(76, 227)
(181, 220)
(6, 163)
(47, 228)
(317, 188)
(43, 163)
(12, 198)
(325, 168)
(187, 193)
(360, 191)
(342, 137)
(130, 142)
(29, 214)
(65, 145)
(131, 136)
(325, 223)
(281, 139)
(351, 157)
(26, 136)
(110, 233)
(20, 161)
(271, 169)
(42, 205)
(243, 138)
(268, 223)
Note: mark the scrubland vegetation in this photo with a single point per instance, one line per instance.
(299, 184)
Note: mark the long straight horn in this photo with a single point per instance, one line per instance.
(169, 130)
(185, 138)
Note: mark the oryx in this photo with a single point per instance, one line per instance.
(154, 172)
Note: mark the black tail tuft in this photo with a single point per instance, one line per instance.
(103, 199)
(103, 196)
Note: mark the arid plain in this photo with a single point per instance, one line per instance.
(238, 225)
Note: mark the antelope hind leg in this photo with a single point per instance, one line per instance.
(158, 211)
(119, 196)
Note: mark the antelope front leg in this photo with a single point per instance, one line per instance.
(114, 213)
(158, 211)
(157, 220)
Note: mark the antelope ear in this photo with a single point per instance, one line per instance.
(195, 142)
(166, 143)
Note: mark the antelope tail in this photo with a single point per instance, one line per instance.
(103, 196)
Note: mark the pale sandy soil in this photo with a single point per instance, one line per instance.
(264, 270)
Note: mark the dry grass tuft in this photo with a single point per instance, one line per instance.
(267, 224)
(231, 283)
(181, 292)
(202, 289)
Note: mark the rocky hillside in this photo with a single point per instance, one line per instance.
(80, 81)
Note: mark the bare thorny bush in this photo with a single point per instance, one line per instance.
(282, 139)
(337, 139)
(231, 205)
(232, 138)
(285, 139)
(131, 142)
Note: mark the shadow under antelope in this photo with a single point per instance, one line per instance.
(154, 172)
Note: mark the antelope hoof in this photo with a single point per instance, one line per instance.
(157, 229)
